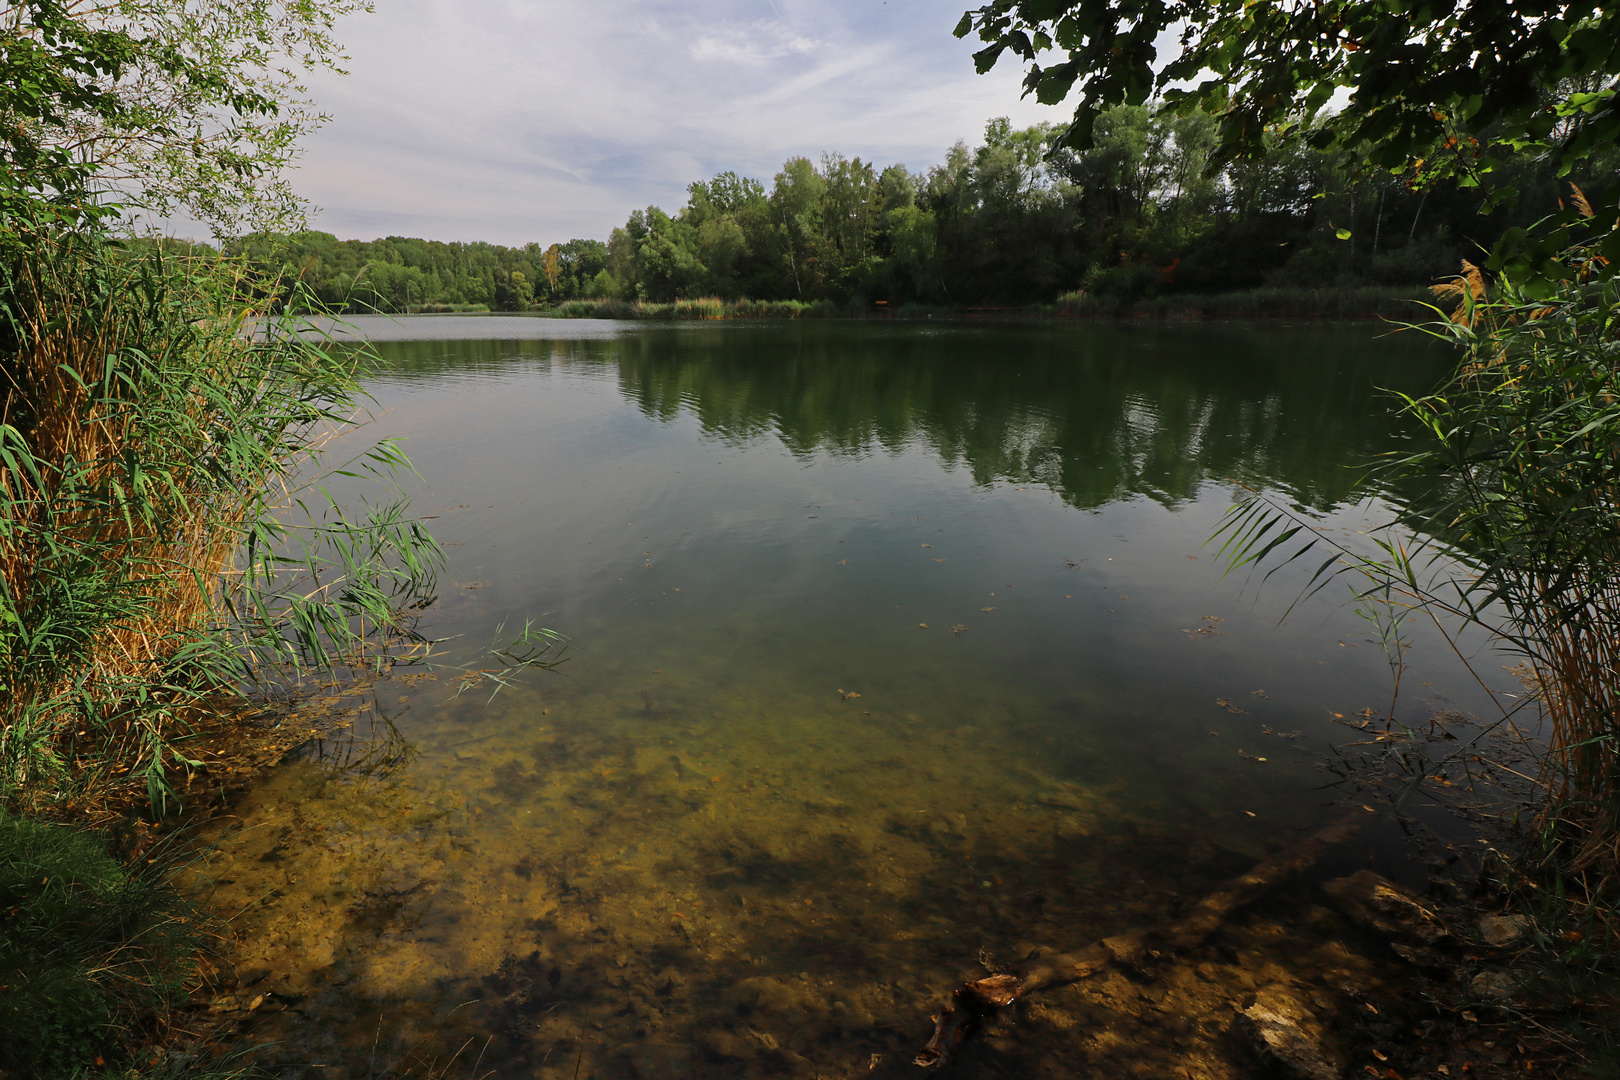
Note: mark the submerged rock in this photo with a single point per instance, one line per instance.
(1498, 930)
(1380, 906)
(1287, 1036)
(1493, 984)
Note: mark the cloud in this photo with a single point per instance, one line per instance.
(519, 120)
(754, 47)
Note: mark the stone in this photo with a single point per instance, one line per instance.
(1498, 930)
(1380, 906)
(1493, 984)
(1287, 1036)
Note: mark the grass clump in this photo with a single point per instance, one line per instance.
(94, 954)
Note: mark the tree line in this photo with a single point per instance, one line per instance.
(1018, 219)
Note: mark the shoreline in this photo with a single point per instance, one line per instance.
(1394, 303)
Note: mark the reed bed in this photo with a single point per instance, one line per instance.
(708, 307)
(1524, 440)
(1346, 302)
(153, 428)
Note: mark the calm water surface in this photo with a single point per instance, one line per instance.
(894, 649)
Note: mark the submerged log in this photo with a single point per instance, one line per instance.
(974, 1002)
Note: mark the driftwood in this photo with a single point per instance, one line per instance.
(975, 1001)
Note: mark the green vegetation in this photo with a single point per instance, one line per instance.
(703, 307)
(158, 107)
(399, 274)
(94, 954)
(166, 555)
(1432, 91)
(152, 447)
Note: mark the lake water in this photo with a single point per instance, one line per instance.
(893, 649)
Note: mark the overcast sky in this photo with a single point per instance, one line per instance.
(519, 120)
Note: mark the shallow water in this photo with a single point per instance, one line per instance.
(895, 649)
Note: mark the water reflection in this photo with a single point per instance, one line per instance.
(1096, 413)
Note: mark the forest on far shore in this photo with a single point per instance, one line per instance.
(1012, 221)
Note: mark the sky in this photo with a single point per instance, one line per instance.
(519, 120)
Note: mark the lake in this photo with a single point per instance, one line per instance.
(893, 650)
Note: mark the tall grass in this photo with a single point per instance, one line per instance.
(1526, 442)
(153, 426)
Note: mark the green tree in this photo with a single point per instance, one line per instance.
(1445, 89)
(162, 105)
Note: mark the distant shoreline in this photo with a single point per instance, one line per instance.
(1402, 304)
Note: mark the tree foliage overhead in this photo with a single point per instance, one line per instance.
(1441, 87)
(168, 106)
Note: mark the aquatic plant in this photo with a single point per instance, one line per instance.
(163, 548)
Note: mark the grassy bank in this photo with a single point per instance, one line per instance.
(166, 568)
(96, 954)
(707, 307)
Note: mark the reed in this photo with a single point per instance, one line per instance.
(1517, 533)
(1523, 441)
(153, 427)
(704, 307)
